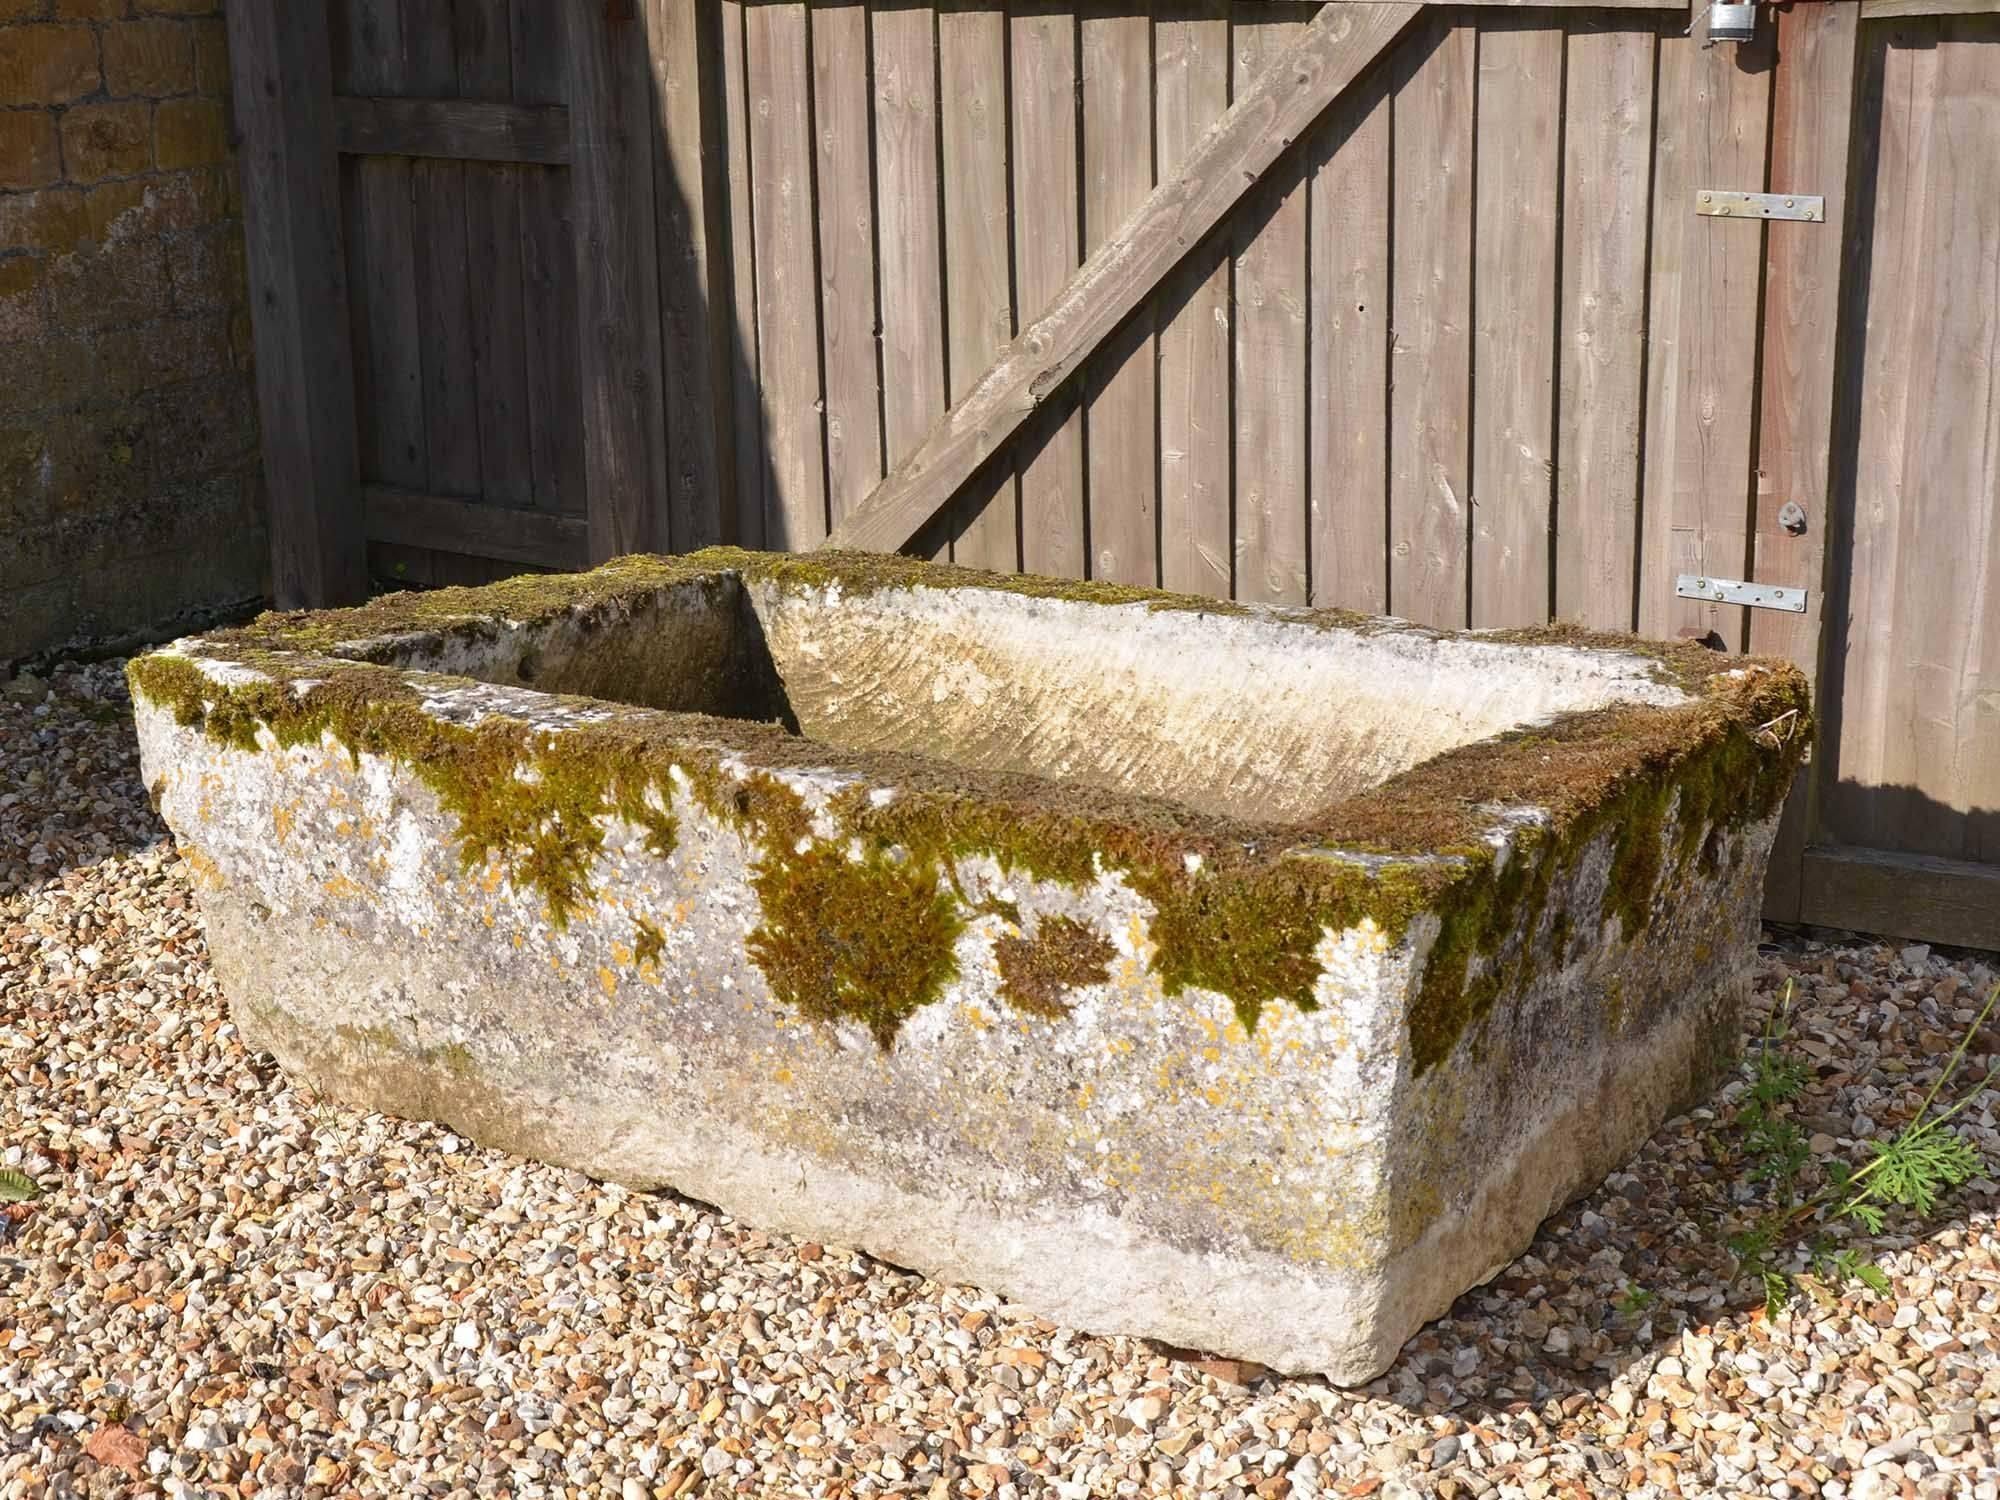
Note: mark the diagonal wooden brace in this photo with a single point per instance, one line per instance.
(1279, 106)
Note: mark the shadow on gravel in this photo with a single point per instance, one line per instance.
(1615, 1279)
(70, 791)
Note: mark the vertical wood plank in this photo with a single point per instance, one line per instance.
(1514, 297)
(1902, 88)
(444, 289)
(388, 335)
(1119, 422)
(972, 61)
(493, 266)
(1430, 363)
(907, 215)
(690, 198)
(1270, 334)
(1191, 62)
(841, 80)
(743, 511)
(554, 418)
(305, 378)
(1607, 153)
(774, 48)
(1811, 120)
(617, 274)
(1941, 637)
(1701, 402)
(1047, 249)
(1347, 420)
(1810, 132)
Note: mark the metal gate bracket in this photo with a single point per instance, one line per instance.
(1726, 205)
(1731, 591)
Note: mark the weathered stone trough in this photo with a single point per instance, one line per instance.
(1256, 980)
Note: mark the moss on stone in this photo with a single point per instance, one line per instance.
(867, 938)
(648, 942)
(1038, 973)
(866, 932)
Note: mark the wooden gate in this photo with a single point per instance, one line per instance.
(1375, 304)
(1907, 812)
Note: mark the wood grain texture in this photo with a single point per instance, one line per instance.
(1606, 171)
(1047, 247)
(788, 354)
(909, 233)
(1270, 355)
(841, 81)
(1347, 436)
(451, 523)
(617, 274)
(1121, 440)
(554, 416)
(690, 196)
(1335, 48)
(1811, 129)
(1430, 359)
(1191, 67)
(1515, 285)
(1887, 10)
(493, 265)
(1920, 712)
(1702, 386)
(1905, 895)
(743, 511)
(389, 361)
(972, 63)
(463, 129)
(299, 321)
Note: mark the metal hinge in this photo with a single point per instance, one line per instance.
(1732, 591)
(1721, 204)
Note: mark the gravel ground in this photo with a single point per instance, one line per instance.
(233, 1287)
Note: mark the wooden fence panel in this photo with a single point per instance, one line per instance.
(1915, 765)
(655, 273)
(1514, 291)
(1270, 357)
(1121, 441)
(1430, 366)
(1607, 169)
(1049, 465)
(1191, 59)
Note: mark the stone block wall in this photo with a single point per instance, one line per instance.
(130, 494)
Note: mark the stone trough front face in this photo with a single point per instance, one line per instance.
(1254, 980)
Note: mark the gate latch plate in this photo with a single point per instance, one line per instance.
(1732, 591)
(1719, 204)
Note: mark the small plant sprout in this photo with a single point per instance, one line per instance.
(17, 1187)
(1913, 1170)
(1634, 1300)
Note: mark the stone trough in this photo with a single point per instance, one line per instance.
(1252, 979)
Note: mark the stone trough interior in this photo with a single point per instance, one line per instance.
(1261, 715)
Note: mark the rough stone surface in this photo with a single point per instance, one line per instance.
(233, 1285)
(130, 494)
(1302, 1184)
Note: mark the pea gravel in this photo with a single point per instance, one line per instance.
(231, 1287)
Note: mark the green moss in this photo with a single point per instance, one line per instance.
(648, 942)
(1239, 908)
(532, 799)
(1038, 973)
(868, 939)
